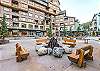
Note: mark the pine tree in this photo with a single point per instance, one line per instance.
(49, 31)
(3, 30)
(64, 30)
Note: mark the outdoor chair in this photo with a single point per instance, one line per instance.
(70, 42)
(81, 56)
(21, 53)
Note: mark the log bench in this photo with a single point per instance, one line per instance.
(70, 42)
(81, 56)
(21, 53)
(41, 41)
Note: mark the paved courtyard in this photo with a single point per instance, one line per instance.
(43, 63)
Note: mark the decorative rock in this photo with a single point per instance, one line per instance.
(67, 49)
(38, 47)
(49, 51)
(58, 52)
(42, 51)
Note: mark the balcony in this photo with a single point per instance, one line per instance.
(15, 19)
(15, 25)
(15, 1)
(14, 5)
(42, 2)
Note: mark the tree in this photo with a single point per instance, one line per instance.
(86, 26)
(64, 30)
(3, 30)
(79, 28)
(49, 31)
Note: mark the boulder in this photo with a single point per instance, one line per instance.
(58, 52)
(67, 49)
(37, 47)
(42, 51)
(49, 51)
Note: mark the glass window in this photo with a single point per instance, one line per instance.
(23, 19)
(36, 26)
(6, 0)
(24, 6)
(71, 22)
(15, 24)
(41, 17)
(23, 25)
(7, 15)
(41, 27)
(30, 26)
(61, 19)
(24, 13)
(6, 9)
(30, 20)
(30, 14)
(36, 16)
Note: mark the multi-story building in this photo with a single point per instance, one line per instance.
(29, 17)
(95, 24)
(62, 20)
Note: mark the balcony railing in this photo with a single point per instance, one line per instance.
(15, 1)
(14, 5)
(43, 2)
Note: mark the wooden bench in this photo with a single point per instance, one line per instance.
(41, 41)
(69, 42)
(21, 53)
(82, 55)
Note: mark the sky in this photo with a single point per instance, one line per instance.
(81, 9)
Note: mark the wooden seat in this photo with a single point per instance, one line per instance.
(21, 53)
(81, 55)
(41, 41)
(69, 42)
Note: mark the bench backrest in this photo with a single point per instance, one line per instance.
(83, 53)
(69, 40)
(41, 40)
(19, 49)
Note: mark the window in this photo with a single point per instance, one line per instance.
(42, 22)
(61, 19)
(66, 23)
(30, 20)
(15, 19)
(23, 25)
(41, 27)
(7, 15)
(41, 17)
(24, 13)
(30, 14)
(36, 21)
(47, 28)
(30, 26)
(30, 9)
(6, 9)
(15, 24)
(36, 26)
(6, 0)
(61, 24)
(23, 19)
(36, 16)
(24, 6)
(71, 22)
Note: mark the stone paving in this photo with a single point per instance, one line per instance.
(43, 63)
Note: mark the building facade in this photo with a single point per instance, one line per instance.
(63, 20)
(95, 25)
(29, 17)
